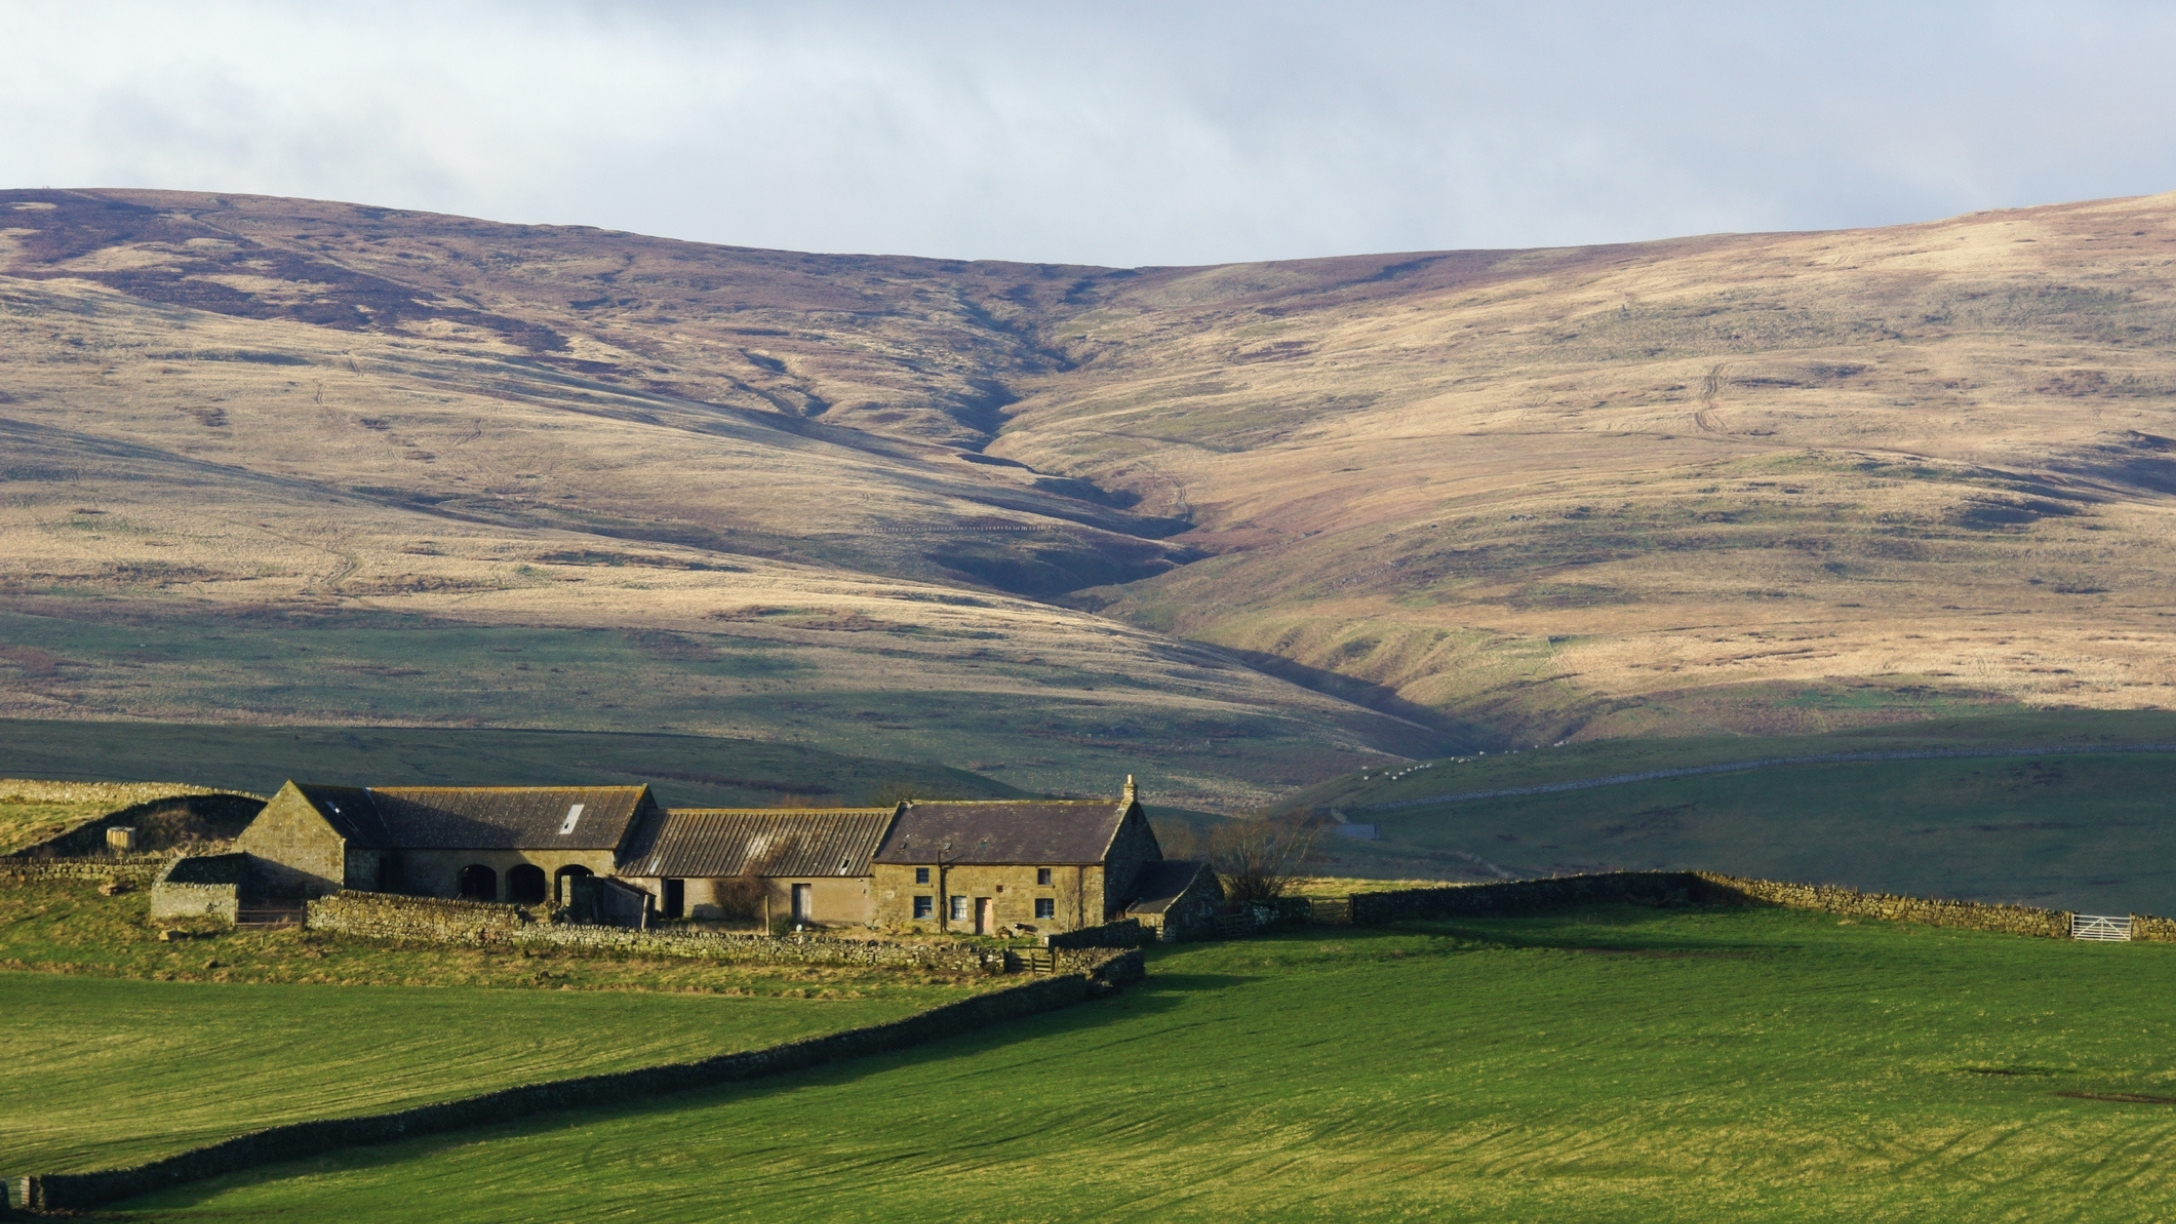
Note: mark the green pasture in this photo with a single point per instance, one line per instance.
(104, 1072)
(2086, 831)
(716, 704)
(1614, 1064)
(685, 770)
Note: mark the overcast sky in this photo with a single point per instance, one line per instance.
(1107, 133)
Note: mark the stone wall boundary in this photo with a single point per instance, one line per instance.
(1087, 978)
(393, 918)
(1125, 933)
(130, 869)
(1704, 887)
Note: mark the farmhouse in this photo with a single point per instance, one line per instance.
(1043, 864)
(489, 843)
(809, 865)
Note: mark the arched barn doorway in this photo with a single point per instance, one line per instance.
(479, 883)
(525, 884)
(563, 884)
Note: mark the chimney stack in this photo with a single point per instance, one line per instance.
(1126, 800)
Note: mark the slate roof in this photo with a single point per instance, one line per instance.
(1004, 831)
(1159, 884)
(718, 842)
(480, 817)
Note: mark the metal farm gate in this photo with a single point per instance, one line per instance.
(2101, 926)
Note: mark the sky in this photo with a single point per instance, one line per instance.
(1117, 134)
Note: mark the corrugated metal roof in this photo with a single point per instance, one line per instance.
(1004, 831)
(481, 817)
(718, 842)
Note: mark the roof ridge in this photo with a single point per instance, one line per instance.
(566, 787)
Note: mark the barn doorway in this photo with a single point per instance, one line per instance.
(985, 915)
(525, 885)
(479, 883)
(563, 884)
(676, 898)
(801, 904)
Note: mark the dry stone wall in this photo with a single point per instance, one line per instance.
(200, 886)
(1126, 933)
(1083, 979)
(1700, 887)
(131, 869)
(396, 918)
(2145, 928)
(1927, 911)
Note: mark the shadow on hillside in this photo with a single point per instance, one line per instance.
(1606, 930)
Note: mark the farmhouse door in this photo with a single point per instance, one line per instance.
(800, 903)
(985, 915)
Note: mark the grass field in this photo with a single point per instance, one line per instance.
(2086, 831)
(685, 770)
(104, 1072)
(1608, 1065)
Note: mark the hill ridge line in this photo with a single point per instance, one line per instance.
(1551, 788)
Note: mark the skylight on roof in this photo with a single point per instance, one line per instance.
(574, 813)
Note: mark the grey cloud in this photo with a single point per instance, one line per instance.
(1113, 134)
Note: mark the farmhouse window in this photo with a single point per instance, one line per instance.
(924, 906)
(1042, 876)
(959, 907)
(1045, 907)
(921, 875)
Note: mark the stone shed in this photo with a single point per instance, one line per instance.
(489, 843)
(809, 865)
(1042, 865)
(1176, 898)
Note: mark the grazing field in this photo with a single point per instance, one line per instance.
(685, 770)
(2073, 830)
(1612, 1064)
(104, 1072)
(33, 810)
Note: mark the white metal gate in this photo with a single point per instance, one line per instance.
(2101, 926)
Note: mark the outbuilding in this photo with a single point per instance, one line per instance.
(519, 844)
(810, 866)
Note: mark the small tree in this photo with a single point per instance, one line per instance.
(1258, 859)
(742, 896)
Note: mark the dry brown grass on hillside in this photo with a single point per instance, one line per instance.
(1769, 481)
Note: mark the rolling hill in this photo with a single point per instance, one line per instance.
(1237, 529)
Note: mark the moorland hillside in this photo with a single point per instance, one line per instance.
(278, 460)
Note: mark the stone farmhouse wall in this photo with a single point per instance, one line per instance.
(1076, 894)
(1079, 982)
(200, 886)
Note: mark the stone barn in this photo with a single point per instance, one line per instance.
(518, 844)
(1043, 865)
(1176, 899)
(809, 865)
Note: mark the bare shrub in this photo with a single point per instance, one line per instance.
(1259, 859)
(742, 896)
